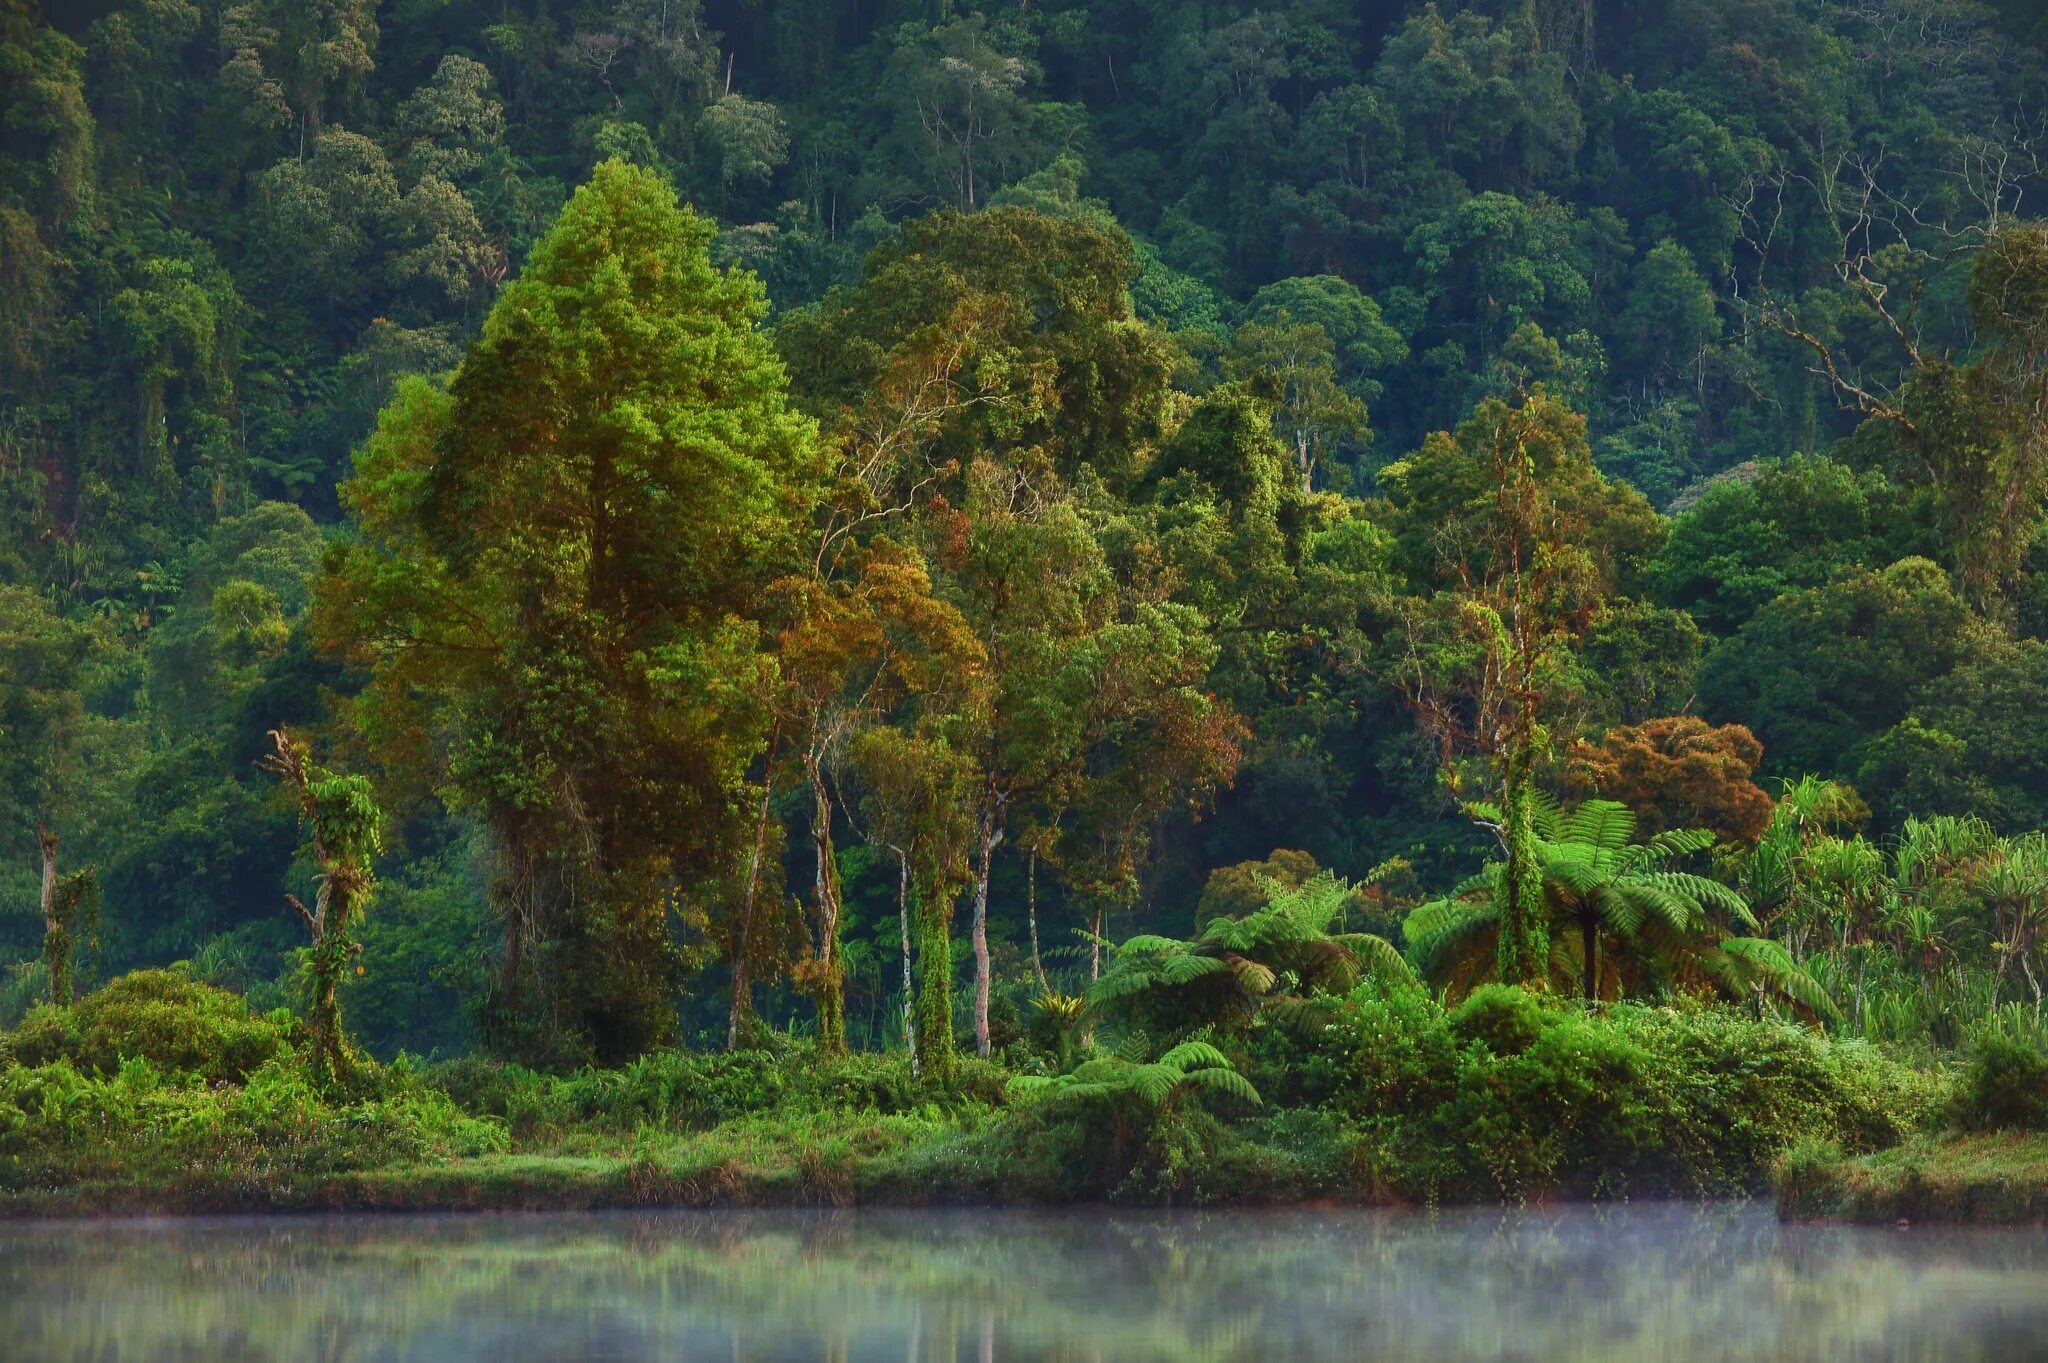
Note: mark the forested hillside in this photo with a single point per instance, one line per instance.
(659, 518)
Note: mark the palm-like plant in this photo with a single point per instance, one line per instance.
(1124, 1077)
(1774, 875)
(2012, 877)
(1277, 956)
(1621, 917)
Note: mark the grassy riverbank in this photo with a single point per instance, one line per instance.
(1998, 1177)
(1987, 1162)
(159, 1094)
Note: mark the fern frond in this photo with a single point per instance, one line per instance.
(1604, 824)
(1226, 1081)
(1377, 956)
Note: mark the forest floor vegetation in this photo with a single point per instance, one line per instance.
(163, 1095)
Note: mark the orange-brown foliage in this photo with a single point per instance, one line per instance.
(1677, 772)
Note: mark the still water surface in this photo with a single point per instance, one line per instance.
(1657, 1282)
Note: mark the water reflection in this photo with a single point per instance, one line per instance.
(1632, 1283)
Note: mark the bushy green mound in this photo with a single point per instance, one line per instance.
(161, 1016)
(1510, 1095)
(156, 1082)
(2006, 1088)
(142, 1126)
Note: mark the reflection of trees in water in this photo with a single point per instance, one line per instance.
(1594, 1284)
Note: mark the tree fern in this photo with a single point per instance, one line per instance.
(1235, 968)
(1623, 918)
(1123, 1077)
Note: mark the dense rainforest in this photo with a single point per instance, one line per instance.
(1093, 552)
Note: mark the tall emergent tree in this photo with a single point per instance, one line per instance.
(1523, 536)
(557, 595)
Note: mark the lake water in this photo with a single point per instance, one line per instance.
(1655, 1282)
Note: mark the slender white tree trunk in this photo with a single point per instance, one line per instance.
(47, 841)
(909, 988)
(991, 838)
(1031, 914)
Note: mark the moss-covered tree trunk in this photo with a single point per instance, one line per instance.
(828, 984)
(343, 819)
(935, 983)
(909, 983)
(1524, 950)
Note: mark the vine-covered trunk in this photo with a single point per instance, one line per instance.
(935, 983)
(829, 988)
(741, 1018)
(331, 953)
(991, 838)
(1524, 949)
(1031, 916)
(909, 987)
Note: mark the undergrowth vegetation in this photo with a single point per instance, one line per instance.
(160, 1092)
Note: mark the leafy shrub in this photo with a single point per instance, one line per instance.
(1512, 1095)
(1506, 1019)
(2006, 1088)
(146, 1125)
(1119, 1124)
(160, 1016)
(685, 1090)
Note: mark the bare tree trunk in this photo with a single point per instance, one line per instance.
(1862, 973)
(991, 838)
(59, 973)
(909, 988)
(1589, 956)
(1095, 947)
(742, 984)
(1031, 914)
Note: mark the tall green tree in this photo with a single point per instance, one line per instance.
(1527, 539)
(556, 595)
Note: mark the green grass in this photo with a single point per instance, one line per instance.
(829, 1159)
(1998, 1177)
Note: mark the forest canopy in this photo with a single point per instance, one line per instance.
(666, 521)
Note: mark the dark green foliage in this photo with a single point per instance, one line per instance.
(1508, 1096)
(1214, 391)
(1762, 531)
(2006, 1088)
(682, 1091)
(158, 1016)
(1817, 674)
